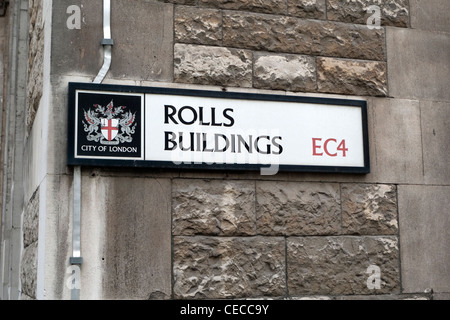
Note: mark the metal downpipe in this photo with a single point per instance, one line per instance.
(76, 258)
(107, 42)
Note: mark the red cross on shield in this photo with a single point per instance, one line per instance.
(110, 128)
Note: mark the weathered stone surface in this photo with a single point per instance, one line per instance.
(213, 65)
(397, 141)
(441, 296)
(147, 55)
(30, 225)
(142, 34)
(36, 61)
(58, 223)
(435, 120)
(338, 265)
(81, 52)
(217, 268)
(424, 237)
(214, 207)
(284, 72)
(3, 60)
(263, 6)
(369, 209)
(419, 296)
(136, 257)
(313, 9)
(373, 296)
(363, 78)
(196, 25)
(28, 272)
(315, 298)
(185, 2)
(393, 12)
(418, 64)
(291, 208)
(293, 35)
(422, 10)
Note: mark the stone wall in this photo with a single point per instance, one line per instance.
(13, 129)
(173, 234)
(306, 46)
(3, 81)
(36, 60)
(242, 239)
(34, 91)
(284, 239)
(30, 227)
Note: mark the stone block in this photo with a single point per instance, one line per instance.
(422, 10)
(77, 51)
(197, 25)
(292, 35)
(56, 196)
(30, 224)
(215, 207)
(185, 2)
(311, 9)
(397, 141)
(36, 61)
(284, 72)
(435, 118)
(369, 209)
(262, 6)
(290, 208)
(219, 268)
(386, 297)
(354, 77)
(213, 65)
(55, 155)
(393, 12)
(339, 265)
(418, 64)
(147, 55)
(28, 270)
(136, 254)
(441, 296)
(424, 237)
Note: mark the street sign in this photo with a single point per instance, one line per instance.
(111, 125)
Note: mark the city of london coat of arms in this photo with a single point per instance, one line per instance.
(109, 125)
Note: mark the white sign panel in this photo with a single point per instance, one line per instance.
(159, 127)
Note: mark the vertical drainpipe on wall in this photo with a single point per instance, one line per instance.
(107, 43)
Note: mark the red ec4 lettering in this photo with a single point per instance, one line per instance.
(330, 147)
